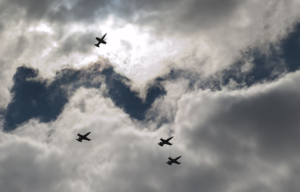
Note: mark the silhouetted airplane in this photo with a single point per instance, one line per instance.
(173, 160)
(165, 142)
(100, 40)
(83, 137)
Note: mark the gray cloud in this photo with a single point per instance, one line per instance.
(231, 141)
(174, 16)
(262, 121)
(26, 167)
(78, 42)
(33, 9)
(244, 130)
(20, 46)
(1, 28)
(60, 11)
(166, 15)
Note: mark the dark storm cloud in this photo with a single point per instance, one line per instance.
(33, 98)
(270, 120)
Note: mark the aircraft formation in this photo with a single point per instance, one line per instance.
(166, 142)
(162, 141)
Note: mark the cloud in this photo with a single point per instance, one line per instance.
(166, 15)
(78, 42)
(242, 140)
(29, 166)
(1, 28)
(44, 99)
(221, 76)
(253, 67)
(260, 121)
(59, 11)
(73, 166)
(196, 12)
(243, 131)
(205, 37)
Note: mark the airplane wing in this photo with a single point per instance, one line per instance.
(97, 38)
(176, 162)
(162, 140)
(177, 158)
(102, 41)
(79, 135)
(170, 159)
(169, 139)
(87, 134)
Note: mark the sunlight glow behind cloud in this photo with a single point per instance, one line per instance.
(221, 76)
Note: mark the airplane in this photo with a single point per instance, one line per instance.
(83, 137)
(173, 160)
(165, 142)
(100, 40)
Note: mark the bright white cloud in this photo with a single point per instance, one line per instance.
(41, 28)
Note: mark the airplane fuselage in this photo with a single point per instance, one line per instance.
(165, 142)
(100, 40)
(171, 161)
(83, 137)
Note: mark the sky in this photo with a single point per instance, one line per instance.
(221, 76)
